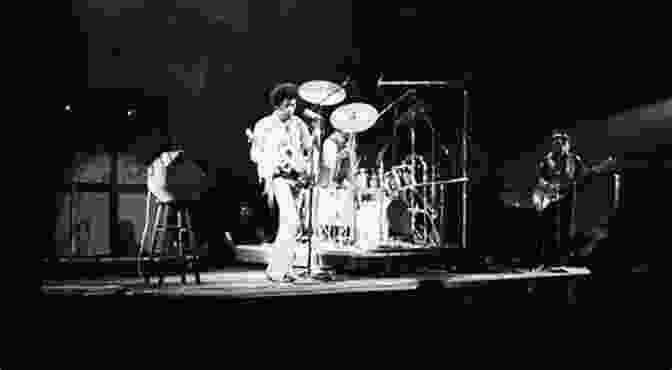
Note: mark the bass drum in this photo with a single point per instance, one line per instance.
(371, 223)
(380, 219)
(399, 220)
(334, 215)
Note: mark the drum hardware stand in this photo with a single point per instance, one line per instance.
(414, 160)
(380, 198)
(395, 102)
(455, 84)
(465, 157)
(432, 163)
(354, 164)
(412, 202)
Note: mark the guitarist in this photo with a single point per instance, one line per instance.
(281, 148)
(556, 174)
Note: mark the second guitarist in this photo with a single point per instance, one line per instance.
(556, 173)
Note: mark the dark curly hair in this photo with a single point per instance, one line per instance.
(561, 134)
(282, 91)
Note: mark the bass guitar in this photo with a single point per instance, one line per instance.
(546, 194)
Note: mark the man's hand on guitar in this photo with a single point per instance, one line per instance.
(343, 154)
(287, 164)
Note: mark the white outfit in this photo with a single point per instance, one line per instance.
(271, 138)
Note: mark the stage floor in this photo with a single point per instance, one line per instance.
(240, 283)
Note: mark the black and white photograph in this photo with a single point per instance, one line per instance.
(311, 153)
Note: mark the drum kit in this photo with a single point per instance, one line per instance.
(383, 206)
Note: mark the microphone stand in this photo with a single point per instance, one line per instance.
(315, 168)
(316, 160)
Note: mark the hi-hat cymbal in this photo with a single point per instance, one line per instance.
(354, 117)
(322, 92)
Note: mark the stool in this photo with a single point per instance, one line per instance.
(185, 258)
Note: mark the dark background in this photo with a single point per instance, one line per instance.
(200, 71)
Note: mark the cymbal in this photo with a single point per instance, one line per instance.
(322, 92)
(354, 117)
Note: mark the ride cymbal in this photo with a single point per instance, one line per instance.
(354, 117)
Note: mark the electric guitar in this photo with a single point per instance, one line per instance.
(289, 162)
(546, 194)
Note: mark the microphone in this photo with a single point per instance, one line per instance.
(346, 82)
(307, 113)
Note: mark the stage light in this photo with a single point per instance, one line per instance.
(68, 108)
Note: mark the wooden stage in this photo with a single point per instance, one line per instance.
(245, 283)
(451, 275)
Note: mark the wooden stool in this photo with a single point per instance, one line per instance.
(185, 256)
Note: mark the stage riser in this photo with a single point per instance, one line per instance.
(381, 265)
(352, 262)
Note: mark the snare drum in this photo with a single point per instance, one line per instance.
(334, 215)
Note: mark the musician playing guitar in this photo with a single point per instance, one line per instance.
(555, 199)
(281, 148)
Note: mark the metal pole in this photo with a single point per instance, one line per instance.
(382, 235)
(73, 234)
(617, 192)
(351, 178)
(432, 171)
(316, 160)
(411, 193)
(114, 238)
(465, 158)
(315, 164)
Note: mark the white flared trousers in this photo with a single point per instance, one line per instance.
(283, 251)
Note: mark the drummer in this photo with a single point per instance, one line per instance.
(339, 160)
